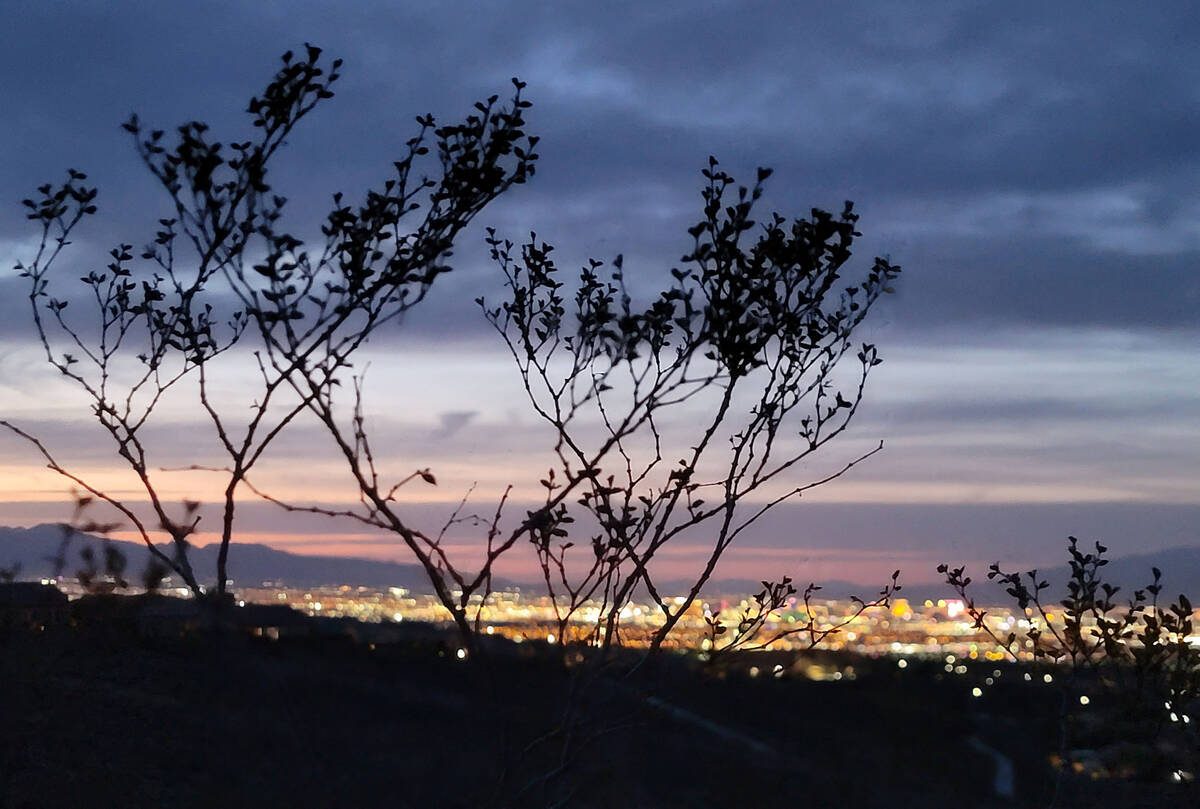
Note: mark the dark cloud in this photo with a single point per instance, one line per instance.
(1037, 278)
(987, 415)
(452, 421)
(939, 110)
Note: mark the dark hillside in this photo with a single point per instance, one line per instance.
(99, 719)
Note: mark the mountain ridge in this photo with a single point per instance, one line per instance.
(252, 563)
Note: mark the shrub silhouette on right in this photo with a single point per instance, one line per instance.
(1136, 661)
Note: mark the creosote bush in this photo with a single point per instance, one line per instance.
(1132, 657)
(749, 344)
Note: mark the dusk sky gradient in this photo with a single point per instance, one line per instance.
(1036, 173)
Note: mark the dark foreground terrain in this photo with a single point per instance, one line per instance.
(97, 716)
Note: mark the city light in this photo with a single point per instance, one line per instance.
(924, 632)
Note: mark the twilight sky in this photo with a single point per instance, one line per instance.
(1036, 174)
